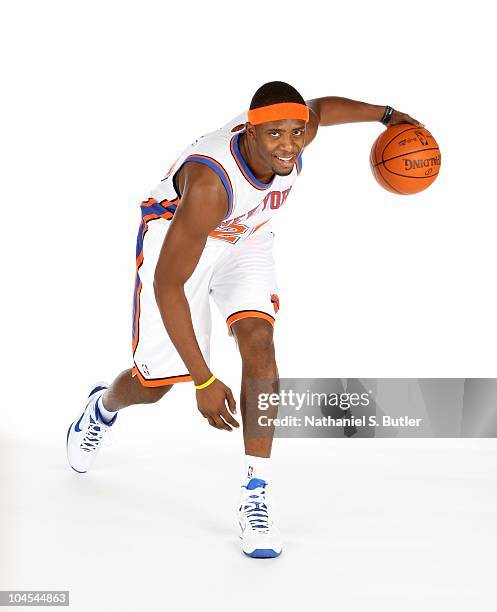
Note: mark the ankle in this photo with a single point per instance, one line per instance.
(106, 415)
(257, 467)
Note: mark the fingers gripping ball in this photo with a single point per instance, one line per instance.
(405, 159)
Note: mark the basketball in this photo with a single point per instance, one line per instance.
(405, 159)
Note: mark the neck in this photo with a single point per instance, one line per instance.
(257, 166)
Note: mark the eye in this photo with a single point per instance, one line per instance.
(274, 133)
(298, 132)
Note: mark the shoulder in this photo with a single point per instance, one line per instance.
(195, 175)
(201, 183)
(204, 200)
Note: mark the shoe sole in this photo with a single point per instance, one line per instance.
(263, 553)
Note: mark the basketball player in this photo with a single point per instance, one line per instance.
(206, 231)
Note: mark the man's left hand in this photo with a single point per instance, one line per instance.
(398, 117)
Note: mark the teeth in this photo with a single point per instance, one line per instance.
(284, 158)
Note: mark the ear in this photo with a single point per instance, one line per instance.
(250, 130)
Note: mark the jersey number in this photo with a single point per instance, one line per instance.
(230, 233)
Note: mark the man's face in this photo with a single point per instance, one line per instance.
(279, 143)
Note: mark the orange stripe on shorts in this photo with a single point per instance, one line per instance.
(245, 314)
(161, 382)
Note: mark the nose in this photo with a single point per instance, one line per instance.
(286, 145)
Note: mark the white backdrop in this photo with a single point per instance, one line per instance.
(100, 97)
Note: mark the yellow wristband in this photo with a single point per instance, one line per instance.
(206, 383)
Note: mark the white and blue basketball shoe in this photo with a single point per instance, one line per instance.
(260, 538)
(85, 435)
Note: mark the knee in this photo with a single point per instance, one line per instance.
(151, 395)
(255, 338)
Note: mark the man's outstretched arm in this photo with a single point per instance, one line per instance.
(333, 110)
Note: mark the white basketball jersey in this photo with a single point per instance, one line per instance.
(250, 202)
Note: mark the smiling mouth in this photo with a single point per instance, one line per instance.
(286, 161)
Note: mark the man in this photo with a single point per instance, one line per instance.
(205, 230)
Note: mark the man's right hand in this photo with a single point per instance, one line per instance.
(213, 403)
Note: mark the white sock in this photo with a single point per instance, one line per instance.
(257, 467)
(105, 414)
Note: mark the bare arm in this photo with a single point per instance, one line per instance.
(333, 110)
(204, 203)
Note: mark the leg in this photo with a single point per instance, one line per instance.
(255, 342)
(85, 435)
(127, 390)
(245, 290)
(260, 537)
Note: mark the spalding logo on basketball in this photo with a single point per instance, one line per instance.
(405, 159)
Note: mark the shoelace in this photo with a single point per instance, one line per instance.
(255, 509)
(93, 436)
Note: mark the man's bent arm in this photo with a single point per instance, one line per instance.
(203, 206)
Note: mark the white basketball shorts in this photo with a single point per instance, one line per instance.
(240, 278)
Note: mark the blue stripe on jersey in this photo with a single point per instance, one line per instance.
(220, 171)
(139, 240)
(299, 163)
(248, 171)
(135, 306)
(157, 209)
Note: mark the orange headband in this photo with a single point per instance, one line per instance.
(277, 112)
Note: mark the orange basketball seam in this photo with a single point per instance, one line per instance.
(388, 183)
(424, 178)
(411, 127)
(408, 153)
